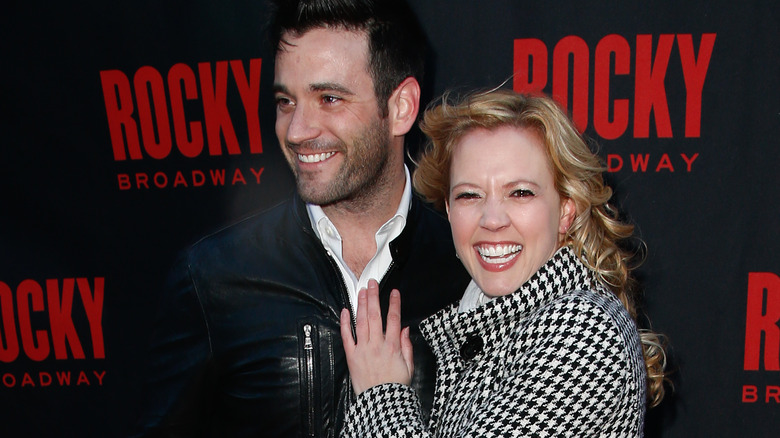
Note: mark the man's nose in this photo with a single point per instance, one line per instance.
(304, 125)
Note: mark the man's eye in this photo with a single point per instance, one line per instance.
(328, 99)
(283, 102)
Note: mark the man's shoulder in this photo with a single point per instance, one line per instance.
(262, 228)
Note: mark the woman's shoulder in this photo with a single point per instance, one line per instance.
(588, 334)
(582, 322)
(587, 307)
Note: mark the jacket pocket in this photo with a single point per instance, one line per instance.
(309, 377)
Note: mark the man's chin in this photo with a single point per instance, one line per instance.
(313, 194)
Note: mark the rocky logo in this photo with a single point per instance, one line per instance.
(185, 113)
(762, 334)
(56, 333)
(38, 325)
(158, 130)
(612, 57)
(582, 79)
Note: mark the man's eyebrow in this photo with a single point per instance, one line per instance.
(317, 87)
(330, 86)
(279, 88)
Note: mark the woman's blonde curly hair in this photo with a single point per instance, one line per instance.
(596, 232)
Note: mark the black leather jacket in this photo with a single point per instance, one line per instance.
(248, 343)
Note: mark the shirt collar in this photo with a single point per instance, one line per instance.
(317, 215)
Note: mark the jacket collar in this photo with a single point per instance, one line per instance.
(400, 247)
(448, 329)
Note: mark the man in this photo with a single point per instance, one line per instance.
(249, 344)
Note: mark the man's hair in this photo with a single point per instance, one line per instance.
(396, 43)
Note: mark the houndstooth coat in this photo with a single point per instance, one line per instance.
(559, 357)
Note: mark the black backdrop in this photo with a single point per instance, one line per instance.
(682, 98)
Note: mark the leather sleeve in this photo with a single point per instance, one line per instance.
(177, 389)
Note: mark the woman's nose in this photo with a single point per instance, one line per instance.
(494, 216)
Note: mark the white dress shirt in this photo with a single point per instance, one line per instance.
(378, 266)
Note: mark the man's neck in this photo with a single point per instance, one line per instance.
(358, 220)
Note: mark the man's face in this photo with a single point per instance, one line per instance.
(327, 117)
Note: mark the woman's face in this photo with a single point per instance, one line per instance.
(507, 218)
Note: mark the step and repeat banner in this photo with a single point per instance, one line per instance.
(130, 129)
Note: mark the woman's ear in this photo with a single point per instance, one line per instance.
(568, 211)
(403, 106)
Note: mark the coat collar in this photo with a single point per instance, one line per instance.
(449, 330)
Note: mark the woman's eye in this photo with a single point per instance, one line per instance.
(522, 193)
(467, 195)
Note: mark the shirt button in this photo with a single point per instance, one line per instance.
(472, 347)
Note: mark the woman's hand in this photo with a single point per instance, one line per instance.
(377, 357)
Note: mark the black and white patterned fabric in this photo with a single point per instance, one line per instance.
(559, 357)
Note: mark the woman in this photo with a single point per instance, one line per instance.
(544, 341)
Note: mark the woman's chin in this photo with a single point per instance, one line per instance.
(498, 290)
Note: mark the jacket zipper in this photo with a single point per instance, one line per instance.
(352, 313)
(383, 282)
(352, 319)
(308, 349)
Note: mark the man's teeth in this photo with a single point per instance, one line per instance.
(315, 158)
(499, 253)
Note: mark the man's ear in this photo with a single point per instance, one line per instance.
(403, 106)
